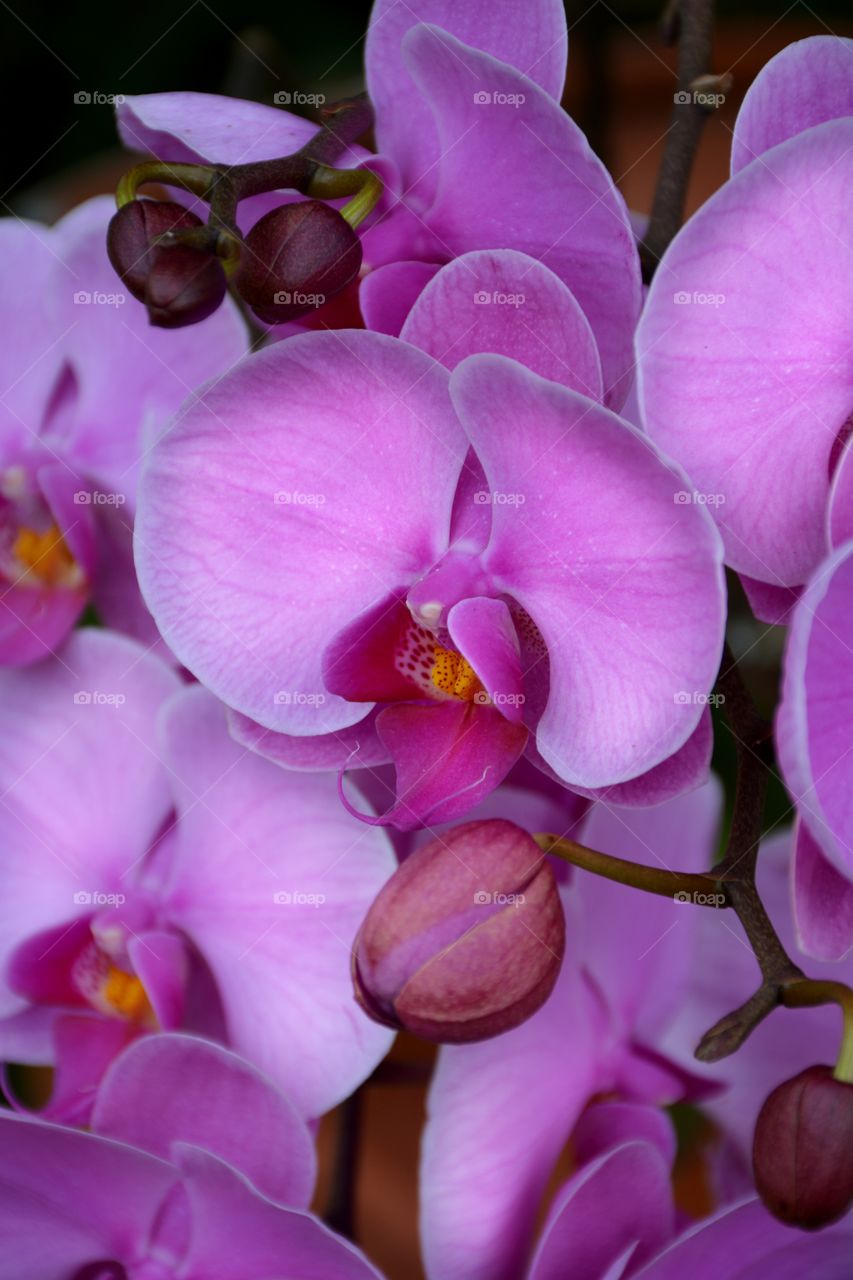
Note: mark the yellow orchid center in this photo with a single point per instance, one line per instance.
(126, 996)
(453, 675)
(46, 556)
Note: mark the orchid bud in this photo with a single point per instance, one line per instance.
(802, 1155)
(466, 939)
(179, 284)
(296, 258)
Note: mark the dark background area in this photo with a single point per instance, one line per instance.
(252, 48)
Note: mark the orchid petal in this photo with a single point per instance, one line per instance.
(448, 756)
(388, 293)
(534, 40)
(70, 831)
(481, 1177)
(270, 880)
(482, 630)
(505, 302)
(249, 582)
(745, 375)
(816, 711)
(769, 603)
(823, 901)
(621, 578)
(806, 83)
(189, 1090)
(69, 1198)
(745, 1243)
(840, 515)
(236, 1234)
(517, 173)
(150, 372)
(686, 769)
(620, 1204)
(357, 747)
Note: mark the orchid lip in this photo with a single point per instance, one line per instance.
(33, 550)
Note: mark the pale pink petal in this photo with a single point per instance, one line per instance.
(808, 82)
(823, 901)
(357, 747)
(622, 580)
(770, 603)
(840, 515)
(189, 1090)
(387, 294)
(816, 711)
(517, 173)
(498, 1115)
(617, 1207)
(506, 302)
(684, 770)
(291, 497)
(84, 790)
(533, 39)
(271, 879)
(744, 368)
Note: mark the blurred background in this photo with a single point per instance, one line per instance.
(57, 150)
(60, 62)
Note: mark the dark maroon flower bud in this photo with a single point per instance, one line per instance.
(295, 259)
(466, 939)
(179, 285)
(802, 1155)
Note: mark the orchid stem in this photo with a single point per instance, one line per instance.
(701, 888)
(196, 178)
(695, 27)
(363, 185)
(808, 992)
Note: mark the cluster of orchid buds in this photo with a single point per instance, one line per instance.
(297, 253)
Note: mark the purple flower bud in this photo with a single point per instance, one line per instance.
(179, 285)
(466, 939)
(802, 1155)
(296, 258)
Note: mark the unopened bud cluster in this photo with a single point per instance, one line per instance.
(291, 262)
